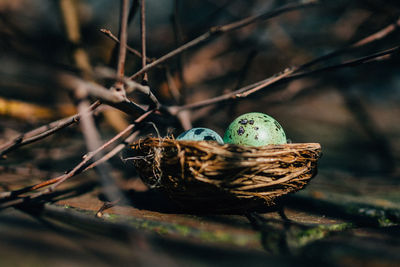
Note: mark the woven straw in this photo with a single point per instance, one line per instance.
(205, 176)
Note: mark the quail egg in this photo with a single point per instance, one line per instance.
(255, 129)
(201, 134)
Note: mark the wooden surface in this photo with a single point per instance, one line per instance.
(331, 228)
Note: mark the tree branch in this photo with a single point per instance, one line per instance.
(217, 30)
(130, 85)
(79, 168)
(285, 76)
(109, 34)
(42, 132)
(123, 37)
(143, 36)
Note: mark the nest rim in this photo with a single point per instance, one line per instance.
(196, 174)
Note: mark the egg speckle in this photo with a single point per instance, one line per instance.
(201, 134)
(255, 129)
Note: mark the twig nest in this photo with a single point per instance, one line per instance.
(206, 176)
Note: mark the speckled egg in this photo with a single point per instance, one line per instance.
(255, 129)
(201, 134)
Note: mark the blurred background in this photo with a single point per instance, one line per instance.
(353, 112)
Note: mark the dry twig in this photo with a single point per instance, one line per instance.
(217, 30)
(42, 132)
(286, 75)
(109, 34)
(143, 37)
(79, 168)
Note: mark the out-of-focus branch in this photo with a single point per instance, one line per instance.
(285, 76)
(217, 30)
(143, 36)
(115, 98)
(382, 55)
(242, 92)
(135, 52)
(42, 132)
(290, 75)
(79, 168)
(70, 16)
(367, 40)
(130, 85)
(379, 34)
(93, 142)
(123, 37)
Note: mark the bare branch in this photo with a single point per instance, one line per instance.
(143, 35)
(367, 40)
(93, 141)
(42, 132)
(91, 88)
(224, 29)
(130, 86)
(288, 75)
(123, 37)
(378, 35)
(80, 167)
(115, 97)
(284, 76)
(109, 34)
(235, 94)
(70, 18)
(351, 63)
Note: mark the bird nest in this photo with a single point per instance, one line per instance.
(205, 176)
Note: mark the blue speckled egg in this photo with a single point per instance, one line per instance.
(255, 129)
(201, 134)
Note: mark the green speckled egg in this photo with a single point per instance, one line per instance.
(201, 134)
(255, 129)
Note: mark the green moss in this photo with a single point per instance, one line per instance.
(182, 229)
(384, 222)
(110, 217)
(218, 236)
(303, 237)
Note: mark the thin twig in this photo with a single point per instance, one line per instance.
(123, 37)
(379, 34)
(367, 40)
(217, 30)
(115, 98)
(106, 205)
(93, 141)
(135, 52)
(70, 18)
(80, 167)
(43, 131)
(143, 36)
(350, 63)
(130, 85)
(91, 88)
(115, 150)
(286, 75)
(236, 94)
(373, 37)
